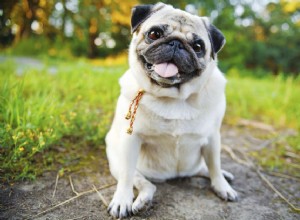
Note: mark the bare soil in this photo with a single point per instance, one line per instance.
(187, 198)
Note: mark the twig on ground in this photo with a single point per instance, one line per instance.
(72, 186)
(250, 164)
(256, 124)
(83, 217)
(274, 140)
(71, 199)
(267, 143)
(234, 157)
(284, 176)
(101, 196)
(292, 155)
(276, 191)
(56, 181)
(294, 165)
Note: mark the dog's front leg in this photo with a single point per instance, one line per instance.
(121, 204)
(212, 155)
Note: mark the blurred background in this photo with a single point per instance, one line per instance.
(260, 34)
(60, 61)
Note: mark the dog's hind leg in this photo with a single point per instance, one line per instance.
(203, 171)
(146, 191)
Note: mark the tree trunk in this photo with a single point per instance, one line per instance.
(93, 32)
(64, 18)
(24, 29)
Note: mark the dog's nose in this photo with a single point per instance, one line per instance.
(176, 43)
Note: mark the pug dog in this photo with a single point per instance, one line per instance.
(174, 99)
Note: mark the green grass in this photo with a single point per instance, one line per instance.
(47, 113)
(40, 110)
(43, 48)
(274, 101)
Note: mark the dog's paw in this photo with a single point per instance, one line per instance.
(222, 188)
(228, 176)
(144, 200)
(121, 205)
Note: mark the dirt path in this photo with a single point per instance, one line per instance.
(188, 198)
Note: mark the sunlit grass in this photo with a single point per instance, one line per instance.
(39, 108)
(67, 103)
(276, 102)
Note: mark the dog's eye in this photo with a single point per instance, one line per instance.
(155, 34)
(197, 47)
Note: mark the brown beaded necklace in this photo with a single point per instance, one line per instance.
(131, 115)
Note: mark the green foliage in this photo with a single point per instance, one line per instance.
(39, 109)
(38, 46)
(260, 35)
(254, 39)
(268, 99)
(272, 100)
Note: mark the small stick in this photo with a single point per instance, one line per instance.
(256, 124)
(74, 197)
(56, 181)
(71, 183)
(256, 168)
(77, 218)
(294, 165)
(276, 191)
(101, 196)
(282, 175)
(234, 157)
(292, 155)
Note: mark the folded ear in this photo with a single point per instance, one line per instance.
(216, 38)
(138, 15)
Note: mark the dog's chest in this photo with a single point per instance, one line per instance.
(171, 147)
(165, 156)
(149, 123)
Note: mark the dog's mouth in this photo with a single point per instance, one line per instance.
(166, 74)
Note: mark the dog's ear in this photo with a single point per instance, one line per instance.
(217, 38)
(138, 15)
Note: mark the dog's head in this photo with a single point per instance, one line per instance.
(170, 45)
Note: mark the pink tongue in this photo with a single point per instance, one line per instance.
(166, 69)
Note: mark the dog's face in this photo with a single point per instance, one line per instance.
(172, 46)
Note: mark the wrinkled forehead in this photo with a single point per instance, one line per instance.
(176, 20)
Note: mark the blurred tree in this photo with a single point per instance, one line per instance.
(98, 22)
(87, 24)
(259, 34)
(273, 38)
(176, 3)
(6, 36)
(66, 13)
(30, 16)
